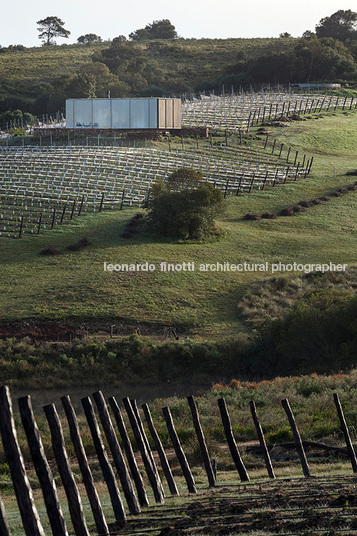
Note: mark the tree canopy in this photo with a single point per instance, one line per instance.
(341, 25)
(158, 29)
(89, 38)
(51, 27)
(184, 206)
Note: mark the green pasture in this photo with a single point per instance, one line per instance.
(73, 286)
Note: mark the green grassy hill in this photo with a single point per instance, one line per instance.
(29, 78)
(45, 63)
(74, 287)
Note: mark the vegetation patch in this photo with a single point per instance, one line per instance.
(274, 297)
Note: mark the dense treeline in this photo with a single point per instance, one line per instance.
(311, 60)
(155, 62)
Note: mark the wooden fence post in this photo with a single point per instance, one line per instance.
(73, 207)
(261, 438)
(160, 449)
(107, 469)
(21, 226)
(42, 468)
(201, 440)
(69, 484)
(122, 200)
(297, 438)
(88, 480)
(101, 203)
(39, 224)
(146, 441)
(151, 470)
(179, 451)
(63, 213)
(135, 473)
(117, 454)
(231, 441)
(81, 206)
(29, 515)
(4, 525)
(346, 433)
(53, 218)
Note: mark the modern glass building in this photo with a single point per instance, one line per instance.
(123, 114)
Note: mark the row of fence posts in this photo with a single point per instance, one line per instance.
(63, 213)
(131, 479)
(267, 112)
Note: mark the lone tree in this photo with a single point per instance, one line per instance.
(185, 206)
(341, 25)
(51, 27)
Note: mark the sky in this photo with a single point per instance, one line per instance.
(191, 18)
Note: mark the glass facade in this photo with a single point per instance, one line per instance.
(122, 113)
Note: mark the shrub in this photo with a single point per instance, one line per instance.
(82, 243)
(305, 204)
(297, 208)
(336, 193)
(319, 332)
(283, 435)
(50, 251)
(250, 216)
(183, 207)
(287, 212)
(269, 215)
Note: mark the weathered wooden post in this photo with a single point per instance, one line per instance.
(346, 432)
(69, 484)
(101, 203)
(261, 438)
(21, 226)
(88, 480)
(122, 199)
(135, 473)
(42, 468)
(81, 206)
(107, 469)
(29, 515)
(73, 207)
(39, 224)
(160, 449)
(201, 440)
(4, 525)
(117, 454)
(179, 451)
(231, 441)
(266, 141)
(298, 443)
(143, 434)
(296, 155)
(53, 218)
(63, 213)
(151, 470)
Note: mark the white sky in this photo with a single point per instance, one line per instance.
(191, 18)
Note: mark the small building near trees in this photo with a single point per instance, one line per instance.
(124, 114)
